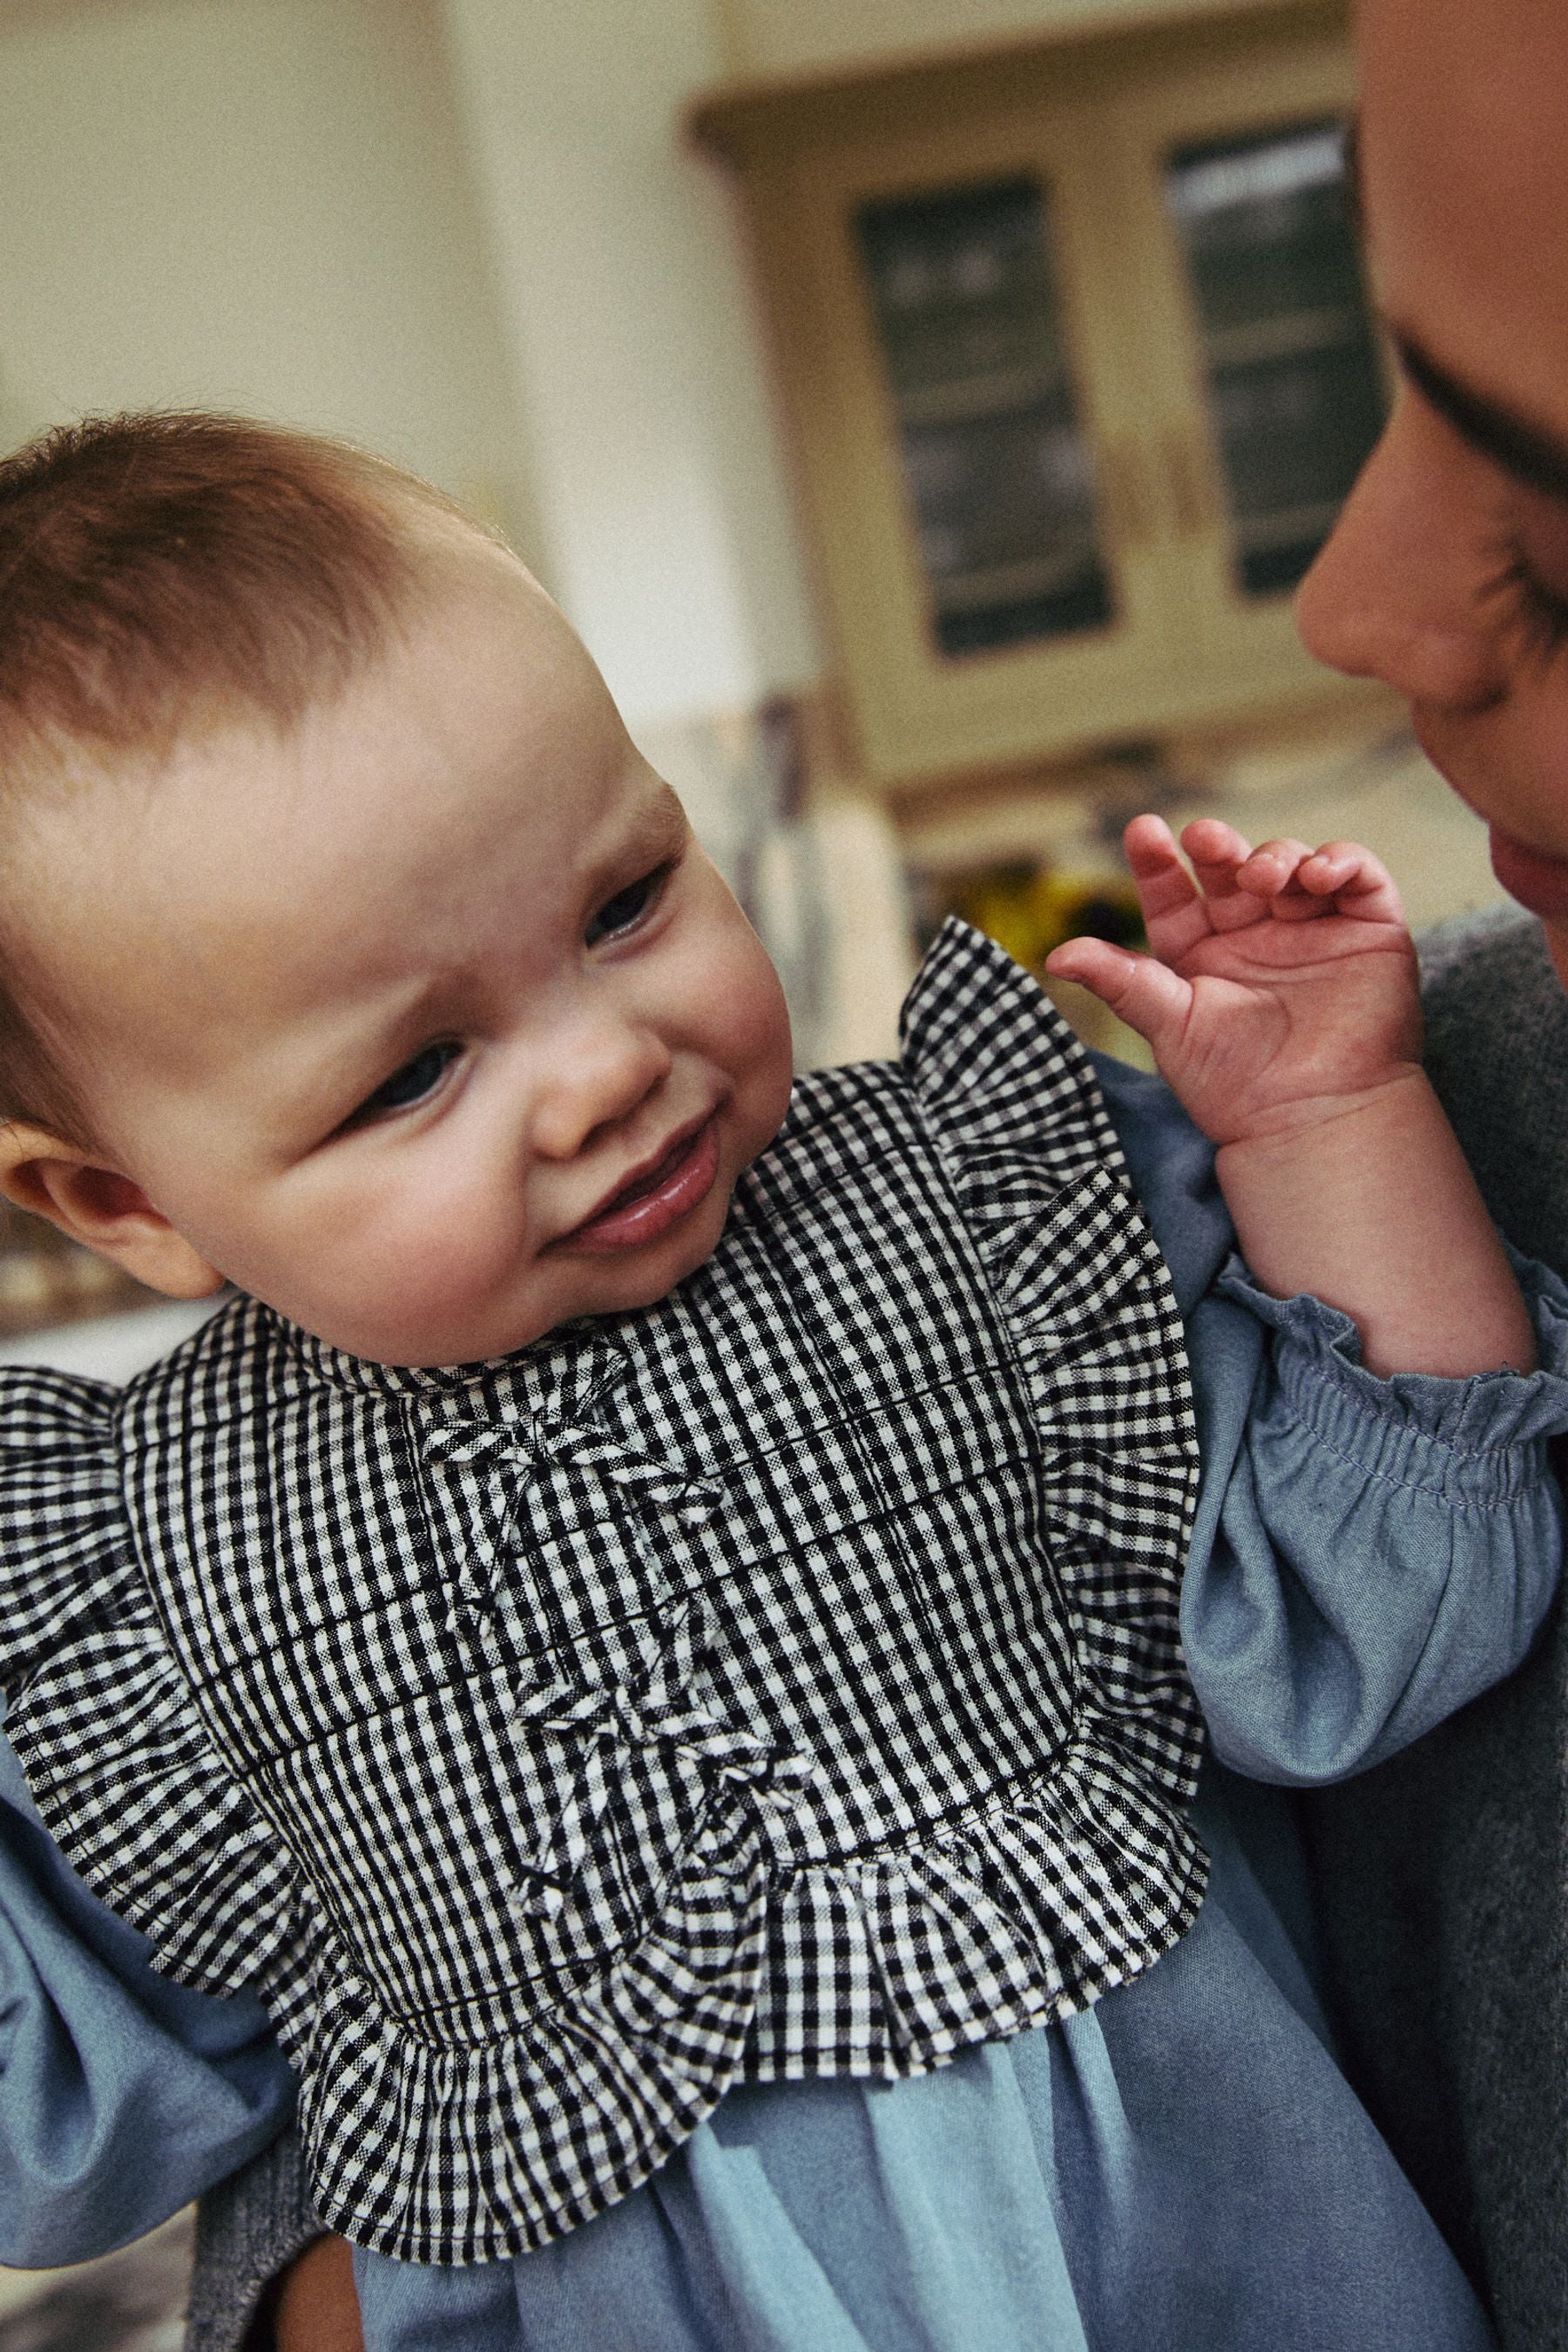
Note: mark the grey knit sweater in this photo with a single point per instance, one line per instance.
(1442, 1878)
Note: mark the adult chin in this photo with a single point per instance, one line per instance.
(1537, 880)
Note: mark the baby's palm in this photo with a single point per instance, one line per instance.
(1264, 1000)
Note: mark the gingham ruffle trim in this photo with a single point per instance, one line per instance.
(978, 1933)
(1016, 1112)
(117, 1756)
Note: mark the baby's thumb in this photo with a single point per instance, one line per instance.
(1147, 994)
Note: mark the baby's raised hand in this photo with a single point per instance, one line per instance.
(1281, 988)
(1281, 1001)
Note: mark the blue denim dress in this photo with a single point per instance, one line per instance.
(1183, 2166)
(1180, 2166)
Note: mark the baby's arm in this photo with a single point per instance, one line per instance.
(121, 2093)
(1369, 1554)
(1281, 1002)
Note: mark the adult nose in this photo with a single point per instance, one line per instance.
(1392, 593)
(598, 1068)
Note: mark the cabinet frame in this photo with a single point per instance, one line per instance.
(1186, 652)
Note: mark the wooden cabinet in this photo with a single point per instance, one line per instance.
(1076, 352)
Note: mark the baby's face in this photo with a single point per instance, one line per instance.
(429, 1024)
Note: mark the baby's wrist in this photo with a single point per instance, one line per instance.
(1357, 1199)
(1330, 1117)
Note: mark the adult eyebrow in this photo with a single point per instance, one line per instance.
(1533, 456)
(1351, 151)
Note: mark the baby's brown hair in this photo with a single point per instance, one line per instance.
(159, 571)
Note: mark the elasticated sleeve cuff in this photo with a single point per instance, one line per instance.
(1473, 1438)
(1381, 1550)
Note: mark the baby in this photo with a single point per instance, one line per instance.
(649, 1627)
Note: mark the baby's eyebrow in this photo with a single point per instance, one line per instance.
(1535, 457)
(344, 1071)
(657, 827)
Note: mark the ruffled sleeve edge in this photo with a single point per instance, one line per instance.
(1010, 1101)
(105, 1728)
(64, 1537)
(156, 1824)
(993, 1062)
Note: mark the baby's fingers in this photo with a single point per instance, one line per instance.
(1272, 877)
(1145, 993)
(1358, 883)
(1174, 915)
(1221, 860)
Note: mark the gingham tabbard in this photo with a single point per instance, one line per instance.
(780, 1681)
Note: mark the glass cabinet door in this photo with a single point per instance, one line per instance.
(1290, 362)
(983, 521)
(1081, 369)
(995, 461)
(1265, 381)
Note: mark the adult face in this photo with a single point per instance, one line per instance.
(1448, 575)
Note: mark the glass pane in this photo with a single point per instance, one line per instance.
(995, 460)
(1292, 365)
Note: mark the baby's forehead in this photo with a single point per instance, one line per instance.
(469, 594)
(479, 711)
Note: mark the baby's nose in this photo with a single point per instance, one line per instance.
(599, 1074)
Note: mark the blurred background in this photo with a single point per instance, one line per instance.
(924, 409)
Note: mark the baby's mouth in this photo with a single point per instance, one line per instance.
(659, 1197)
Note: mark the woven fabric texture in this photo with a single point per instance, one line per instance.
(782, 1680)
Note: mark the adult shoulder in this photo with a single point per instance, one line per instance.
(1497, 1048)
(1442, 1876)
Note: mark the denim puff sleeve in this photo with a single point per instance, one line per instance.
(1381, 1550)
(1369, 1554)
(122, 2094)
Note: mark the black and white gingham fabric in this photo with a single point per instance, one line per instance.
(782, 1681)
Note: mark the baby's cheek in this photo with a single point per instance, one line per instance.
(416, 1278)
(755, 1041)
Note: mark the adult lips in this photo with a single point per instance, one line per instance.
(1537, 881)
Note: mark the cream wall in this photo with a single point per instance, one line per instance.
(252, 203)
(464, 231)
(626, 309)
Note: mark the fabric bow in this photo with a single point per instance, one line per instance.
(612, 1718)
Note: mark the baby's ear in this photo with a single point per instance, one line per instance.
(105, 1211)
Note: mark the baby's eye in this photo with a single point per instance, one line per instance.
(627, 908)
(417, 1077)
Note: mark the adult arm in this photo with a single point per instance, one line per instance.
(1441, 1880)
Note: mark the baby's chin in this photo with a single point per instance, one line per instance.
(598, 1286)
